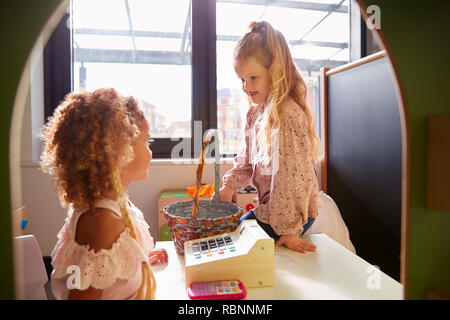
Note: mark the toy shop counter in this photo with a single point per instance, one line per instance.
(331, 272)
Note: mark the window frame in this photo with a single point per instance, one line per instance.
(57, 66)
(58, 80)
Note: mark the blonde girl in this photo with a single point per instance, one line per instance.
(280, 143)
(95, 145)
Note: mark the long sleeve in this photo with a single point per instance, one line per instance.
(241, 174)
(293, 187)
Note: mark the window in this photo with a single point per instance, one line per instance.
(141, 48)
(169, 55)
(157, 51)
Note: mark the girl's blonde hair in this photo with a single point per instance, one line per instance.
(270, 49)
(87, 141)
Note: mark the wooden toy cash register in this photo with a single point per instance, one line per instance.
(247, 254)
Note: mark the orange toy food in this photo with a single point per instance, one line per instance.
(204, 190)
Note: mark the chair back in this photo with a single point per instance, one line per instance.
(31, 275)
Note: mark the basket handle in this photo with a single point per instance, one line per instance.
(206, 143)
(215, 133)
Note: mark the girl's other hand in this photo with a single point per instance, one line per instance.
(158, 255)
(225, 193)
(295, 243)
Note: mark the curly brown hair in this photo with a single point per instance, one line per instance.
(87, 141)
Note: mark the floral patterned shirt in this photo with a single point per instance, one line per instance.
(287, 188)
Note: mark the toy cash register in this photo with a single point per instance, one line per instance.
(246, 254)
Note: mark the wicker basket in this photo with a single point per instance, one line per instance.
(213, 218)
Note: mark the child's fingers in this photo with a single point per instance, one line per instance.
(308, 246)
(301, 246)
(165, 256)
(162, 257)
(158, 255)
(298, 247)
(152, 260)
(296, 244)
(155, 259)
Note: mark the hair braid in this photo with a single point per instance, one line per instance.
(148, 285)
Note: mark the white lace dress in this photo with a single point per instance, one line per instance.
(117, 271)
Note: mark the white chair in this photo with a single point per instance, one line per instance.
(31, 275)
(329, 221)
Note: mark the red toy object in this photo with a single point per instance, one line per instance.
(249, 207)
(217, 290)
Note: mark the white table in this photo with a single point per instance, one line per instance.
(331, 272)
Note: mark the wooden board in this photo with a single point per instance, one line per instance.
(438, 170)
(332, 272)
(435, 294)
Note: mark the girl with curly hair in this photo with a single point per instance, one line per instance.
(281, 142)
(95, 145)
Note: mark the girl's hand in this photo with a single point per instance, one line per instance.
(295, 243)
(225, 193)
(158, 255)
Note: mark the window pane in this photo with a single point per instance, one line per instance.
(141, 48)
(335, 28)
(317, 38)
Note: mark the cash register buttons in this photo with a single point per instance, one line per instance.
(220, 242)
(208, 247)
(204, 246)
